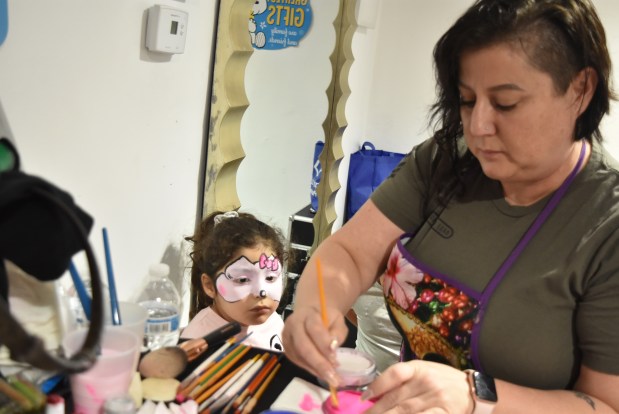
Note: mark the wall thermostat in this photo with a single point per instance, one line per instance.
(166, 29)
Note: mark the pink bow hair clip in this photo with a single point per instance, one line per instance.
(270, 263)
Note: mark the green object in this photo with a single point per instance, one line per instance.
(8, 160)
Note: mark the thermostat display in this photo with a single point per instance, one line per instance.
(166, 29)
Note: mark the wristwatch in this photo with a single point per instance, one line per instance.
(483, 391)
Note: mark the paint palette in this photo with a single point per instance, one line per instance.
(301, 396)
(349, 402)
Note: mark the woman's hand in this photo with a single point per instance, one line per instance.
(421, 387)
(311, 345)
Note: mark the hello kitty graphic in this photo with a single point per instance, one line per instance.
(258, 38)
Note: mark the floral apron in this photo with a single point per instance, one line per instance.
(440, 318)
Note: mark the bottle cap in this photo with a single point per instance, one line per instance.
(159, 270)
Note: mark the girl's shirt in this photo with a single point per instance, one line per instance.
(265, 336)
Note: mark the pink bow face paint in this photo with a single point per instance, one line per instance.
(242, 278)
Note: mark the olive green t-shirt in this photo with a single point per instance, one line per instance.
(558, 305)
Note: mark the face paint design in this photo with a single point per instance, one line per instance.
(260, 279)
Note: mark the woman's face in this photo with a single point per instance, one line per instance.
(249, 287)
(515, 122)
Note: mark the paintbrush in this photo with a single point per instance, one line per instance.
(325, 320)
(255, 382)
(198, 375)
(254, 399)
(217, 371)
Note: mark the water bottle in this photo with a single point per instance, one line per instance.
(71, 313)
(162, 301)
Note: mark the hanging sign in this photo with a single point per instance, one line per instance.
(278, 24)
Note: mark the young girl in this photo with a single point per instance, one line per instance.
(237, 276)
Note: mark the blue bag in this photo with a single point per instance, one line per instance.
(368, 168)
(316, 175)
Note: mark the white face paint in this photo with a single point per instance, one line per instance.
(242, 278)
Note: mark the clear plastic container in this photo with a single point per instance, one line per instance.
(122, 404)
(356, 369)
(163, 303)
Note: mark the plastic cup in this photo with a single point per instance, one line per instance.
(111, 374)
(133, 317)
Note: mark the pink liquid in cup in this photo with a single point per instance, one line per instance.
(110, 376)
(349, 402)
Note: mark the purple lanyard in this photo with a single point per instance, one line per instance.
(515, 253)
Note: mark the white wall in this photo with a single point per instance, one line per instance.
(118, 127)
(121, 128)
(392, 78)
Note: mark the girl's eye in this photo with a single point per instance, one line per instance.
(241, 280)
(271, 278)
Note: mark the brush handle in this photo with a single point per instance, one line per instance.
(195, 347)
(221, 334)
(116, 318)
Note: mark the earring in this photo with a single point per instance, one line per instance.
(263, 293)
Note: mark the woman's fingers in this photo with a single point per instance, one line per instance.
(388, 388)
(420, 386)
(310, 345)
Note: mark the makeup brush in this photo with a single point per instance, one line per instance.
(170, 361)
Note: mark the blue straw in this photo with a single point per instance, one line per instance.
(110, 280)
(80, 289)
(49, 384)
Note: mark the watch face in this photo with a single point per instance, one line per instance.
(484, 387)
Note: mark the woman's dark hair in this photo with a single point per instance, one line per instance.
(217, 241)
(559, 37)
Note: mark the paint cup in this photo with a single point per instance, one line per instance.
(111, 374)
(356, 369)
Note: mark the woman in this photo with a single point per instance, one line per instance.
(496, 238)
